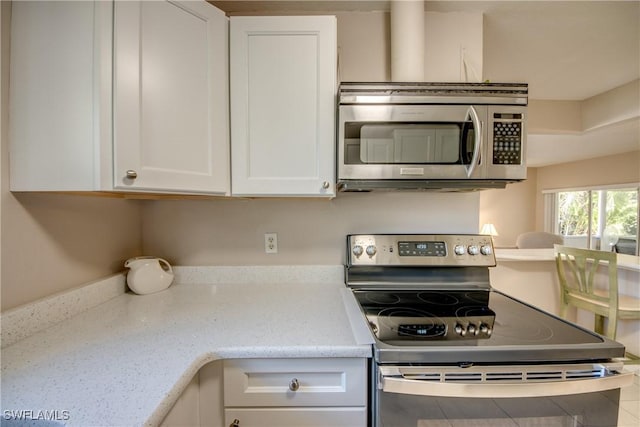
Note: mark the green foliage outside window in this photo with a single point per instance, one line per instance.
(618, 225)
(622, 209)
(573, 213)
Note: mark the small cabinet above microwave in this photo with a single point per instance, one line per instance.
(426, 137)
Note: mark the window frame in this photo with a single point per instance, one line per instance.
(551, 212)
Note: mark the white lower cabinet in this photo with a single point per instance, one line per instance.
(296, 417)
(295, 392)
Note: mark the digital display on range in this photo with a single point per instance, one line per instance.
(422, 249)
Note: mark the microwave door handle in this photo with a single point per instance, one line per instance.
(477, 146)
(496, 391)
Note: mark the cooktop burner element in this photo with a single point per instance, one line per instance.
(437, 298)
(411, 315)
(428, 299)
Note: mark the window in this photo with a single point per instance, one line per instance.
(596, 218)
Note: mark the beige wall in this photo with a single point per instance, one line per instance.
(55, 242)
(511, 210)
(616, 169)
(364, 47)
(611, 170)
(219, 232)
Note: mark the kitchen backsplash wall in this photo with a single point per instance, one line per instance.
(219, 232)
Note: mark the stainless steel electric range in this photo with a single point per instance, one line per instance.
(449, 350)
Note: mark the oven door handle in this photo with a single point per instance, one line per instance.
(477, 146)
(502, 390)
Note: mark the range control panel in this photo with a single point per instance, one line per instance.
(456, 250)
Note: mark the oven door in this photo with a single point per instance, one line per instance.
(542, 395)
(411, 142)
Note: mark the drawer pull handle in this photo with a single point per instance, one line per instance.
(235, 423)
(131, 174)
(294, 385)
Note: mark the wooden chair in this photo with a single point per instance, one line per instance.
(581, 287)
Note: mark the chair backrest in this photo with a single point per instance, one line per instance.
(538, 240)
(577, 273)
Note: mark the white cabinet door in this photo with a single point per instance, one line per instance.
(296, 392)
(60, 96)
(170, 97)
(296, 417)
(283, 86)
(318, 382)
(100, 88)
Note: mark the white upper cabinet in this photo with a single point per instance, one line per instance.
(119, 96)
(283, 88)
(171, 97)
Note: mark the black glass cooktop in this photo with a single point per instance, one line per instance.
(463, 318)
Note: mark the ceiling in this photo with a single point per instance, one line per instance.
(564, 50)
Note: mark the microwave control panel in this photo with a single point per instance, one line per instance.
(507, 138)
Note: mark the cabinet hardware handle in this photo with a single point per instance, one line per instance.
(325, 185)
(131, 174)
(235, 423)
(294, 385)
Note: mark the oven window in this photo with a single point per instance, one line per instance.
(577, 410)
(408, 143)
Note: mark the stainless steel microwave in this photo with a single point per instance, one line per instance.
(438, 136)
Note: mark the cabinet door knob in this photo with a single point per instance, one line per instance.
(325, 185)
(235, 423)
(294, 385)
(131, 174)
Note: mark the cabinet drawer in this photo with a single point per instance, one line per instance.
(297, 417)
(295, 382)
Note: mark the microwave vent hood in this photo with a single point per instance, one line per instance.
(444, 186)
(423, 136)
(433, 93)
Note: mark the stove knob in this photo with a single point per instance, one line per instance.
(357, 250)
(374, 328)
(473, 250)
(459, 250)
(472, 330)
(485, 329)
(460, 330)
(371, 250)
(485, 250)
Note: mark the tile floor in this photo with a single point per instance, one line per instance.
(629, 415)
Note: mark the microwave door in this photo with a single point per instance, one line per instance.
(410, 142)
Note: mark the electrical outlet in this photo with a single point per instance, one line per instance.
(271, 243)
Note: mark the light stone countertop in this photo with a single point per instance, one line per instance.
(513, 254)
(627, 262)
(126, 361)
